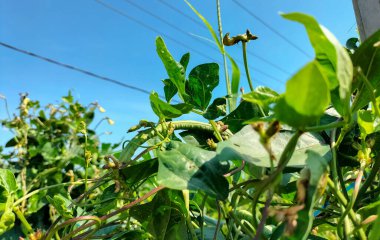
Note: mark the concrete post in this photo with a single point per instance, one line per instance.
(367, 14)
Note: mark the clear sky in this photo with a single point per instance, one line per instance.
(86, 34)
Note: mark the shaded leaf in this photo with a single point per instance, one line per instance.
(8, 181)
(351, 43)
(262, 96)
(245, 111)
(367, 57)
(183, 166)
(216, 109)
(61, 204)
(235, 83)
(140, 171)
(202, 81)
(185, 60)
(170, 90)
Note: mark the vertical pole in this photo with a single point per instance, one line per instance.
(367, 14)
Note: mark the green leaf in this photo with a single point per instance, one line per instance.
(246, 145)
(216, 109)
(162, 216)
(165, 110)
(202, 81)
(61, 204)
(235, 82)
(175, 70)
(366, 122)
(140, 171)
(333, 58)
(184, 166)
(8, 181)
(12, 142)
(7, 218)
(288, 115)
(185, 60)
(170, 90)
(245, 111)
(316, 166)
(307, 91)
(367, 57)
(263, 96)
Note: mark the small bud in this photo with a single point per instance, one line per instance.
(101, 109)
(273, 128)
(211, 143)
(110, 121)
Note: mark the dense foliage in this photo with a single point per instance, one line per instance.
(299, 165)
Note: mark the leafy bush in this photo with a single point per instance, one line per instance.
(299, 165)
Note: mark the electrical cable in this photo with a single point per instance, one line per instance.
(283, 37)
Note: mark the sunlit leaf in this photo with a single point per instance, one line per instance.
(165, 110)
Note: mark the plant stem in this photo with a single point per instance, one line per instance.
(374, 171)
(20, 200)
(343, 202)
(23, 220)
(336, 124)
(227, 77)
(244, 43)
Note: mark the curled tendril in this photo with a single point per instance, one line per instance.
(229, 41)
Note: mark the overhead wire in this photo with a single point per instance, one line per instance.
(276, 66)
(110, 7)
(196, 38)
(71, 67)
(272, 29)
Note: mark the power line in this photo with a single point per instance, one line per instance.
(110, 7)
(203, 26)
(283, 37)
(159, 32)
(76, 69)
(186, 33)
(182, 13)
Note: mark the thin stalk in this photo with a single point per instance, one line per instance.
(216, 131)
(244, 228)
(20, 200)
(374, 171)
(246, 65)
(220, 30)
(336, 124)
(218, 222)
(343, 202)
(23, 220)
(372, 92)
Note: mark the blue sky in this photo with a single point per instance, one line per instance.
(87, 35)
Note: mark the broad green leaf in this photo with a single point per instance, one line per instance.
(216, 109)
(202, 81)
(162, 216)
(367, 122)
(209, 27)
(61, 204)
(367, 57)
(175, 70)
(184, 166)
(8, 181)
(196, 138)
(107, 200)
(317, 166)
(139, 171)
(245, 111)
(291, 117)
(7, 218)
(246, 145)
(307, 91)
(335, 62)
(185, 60)
(170, 90)
(235, 82)
(263, 96)
(165, 110)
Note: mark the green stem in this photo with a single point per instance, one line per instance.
(343, 201)
(23, 220)
(246, 65)
(244, 228)
(336, 124)
(372, 91)
(86, 163)
(228, 84)
(20, 200)
(374, 172)
(216, 131)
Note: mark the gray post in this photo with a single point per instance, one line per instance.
(367, 14)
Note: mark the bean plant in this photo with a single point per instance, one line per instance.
(303, 164)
